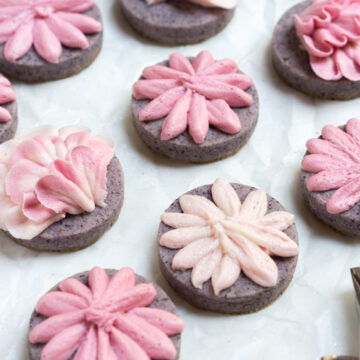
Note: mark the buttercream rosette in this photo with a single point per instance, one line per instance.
(49, 173)
(105, 319)
(225, 4)
(334, 161)
(193, 95)
(329, 30)
(218, 239)
(7, 95)
(45, 24)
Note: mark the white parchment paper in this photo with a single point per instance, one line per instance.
(316, 315)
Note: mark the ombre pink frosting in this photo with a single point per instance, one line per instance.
(225, 4)
(7, 94)
(220, 238)
(49, 173)
(329, 31)
(193, 95)
(106, 320)
(46, 24)
(335, 161)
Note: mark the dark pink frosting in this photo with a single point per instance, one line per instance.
(335, 160)
(106, 320)
(193, 95)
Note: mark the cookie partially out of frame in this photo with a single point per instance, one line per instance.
(172, 324)
(244, 296)
(292, 63)
(175, 21)
(33, 68)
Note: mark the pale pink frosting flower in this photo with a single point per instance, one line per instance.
(329, 30)
(220, 238)
(49, 173)
(7, 94)
(106, 320)
(225, 4)
(46, 24)
(193, 95)
(335, 160)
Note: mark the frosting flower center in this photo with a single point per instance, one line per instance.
(220, 239)
(329, 31)
(43, 11)
(194, 95)
(103, 319)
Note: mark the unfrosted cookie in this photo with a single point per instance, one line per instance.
(62, 188)
(8, 110)
(331, 177)
(105, 314)
(178, 21)
(228, 247)
(57, 39)
(313, 50)
(195, 109)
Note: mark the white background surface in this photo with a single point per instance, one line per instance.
(316, 316)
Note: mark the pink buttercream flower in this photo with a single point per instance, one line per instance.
(46, 24)
(220, 239)
(329, 30)
(105, 320)
(335, 160)
(193, 95)
(49, 173)
(7, 94)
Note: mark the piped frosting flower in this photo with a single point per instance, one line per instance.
(220, 238)
(225, 4)
(193, 95)
(329, 30)
(335, 161)
(46, 24)
(48, 174)
(7, 94)
(105, 320)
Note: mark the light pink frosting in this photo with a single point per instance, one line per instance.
(329, 30)
(106, 320)
(193, 95)
(225, 4)
(335, 160)
(46, 24)
(220, 238)
(7, 94)
(48, 174)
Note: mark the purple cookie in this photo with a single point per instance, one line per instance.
(162, 302)
(244, 295)
(33, 68)
(8, 129)
(75, 232)
(175, 21)
(217, 144)
(329, 177)
(293, 64)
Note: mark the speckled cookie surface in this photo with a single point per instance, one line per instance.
(8, 129)
(175, 21)
(347, 222)
(244, 296)
(75, 232)
(217, 144)
(162, 301)
(32, 68)
(293, 64)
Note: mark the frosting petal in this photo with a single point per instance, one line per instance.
(88, 348)
(177, 220)
(225, 197)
